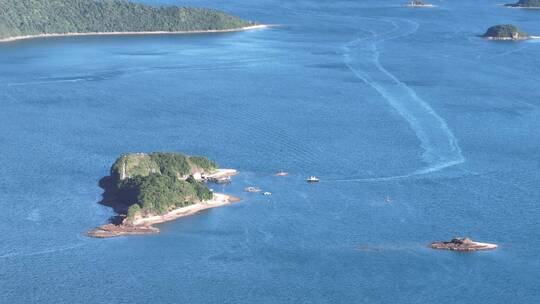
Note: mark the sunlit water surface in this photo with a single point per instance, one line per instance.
(375, 99)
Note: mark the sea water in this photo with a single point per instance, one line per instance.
(418, 129)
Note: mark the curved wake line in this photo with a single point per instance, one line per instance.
(441, 149)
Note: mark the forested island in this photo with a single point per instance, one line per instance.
(145, 189)
(525, 4)
(21, 19)
(505, 32)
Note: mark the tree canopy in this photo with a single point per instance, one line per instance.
(505, 31)
(33, 17)
(158, 182)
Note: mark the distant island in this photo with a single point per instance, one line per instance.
(462, 244)
(505, 32)
(525, 4)
(146, 189)
(24, 19)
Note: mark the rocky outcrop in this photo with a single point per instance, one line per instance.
(462, 244)
(112, 230)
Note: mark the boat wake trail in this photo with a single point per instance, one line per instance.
(361, 56)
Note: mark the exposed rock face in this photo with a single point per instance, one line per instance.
(112, 230)
(462, 244)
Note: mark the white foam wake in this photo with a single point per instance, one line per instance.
(441, 149)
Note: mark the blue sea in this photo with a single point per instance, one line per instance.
(418, 129)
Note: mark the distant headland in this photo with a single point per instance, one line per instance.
(26, 19)
(531, 4)
(505, 32)
(147, 189)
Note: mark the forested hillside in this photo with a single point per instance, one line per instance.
(33, 17)
(156, 182)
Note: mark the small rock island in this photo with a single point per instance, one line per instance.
(462, 244)
(525, 4)
(505, 32)
(147, 189)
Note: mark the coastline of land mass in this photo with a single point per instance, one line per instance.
(142, 33)
(27, 19)
(144, 225)
(148, 189)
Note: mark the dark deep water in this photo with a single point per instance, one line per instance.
(376, 99)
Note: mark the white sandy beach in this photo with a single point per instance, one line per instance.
(218, 201)
(221, 173)
(247, 28)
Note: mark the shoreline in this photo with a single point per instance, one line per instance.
(240, 29)
(510, 38)
(145, 225)
(521, 7)
(219, 200)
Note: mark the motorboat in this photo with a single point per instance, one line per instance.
(313, 179)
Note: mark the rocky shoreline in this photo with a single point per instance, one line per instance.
(112, 230)
(144, 225)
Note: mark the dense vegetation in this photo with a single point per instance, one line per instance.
(32, 17)
(158, 182)
(526, 3)
(173, 164)
(506, 31)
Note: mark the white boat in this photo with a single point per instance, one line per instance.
(282, 173)
(419, 4)
(253, 189)
(267, 193)
(313, 179)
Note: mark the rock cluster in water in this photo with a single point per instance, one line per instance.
(462, 244)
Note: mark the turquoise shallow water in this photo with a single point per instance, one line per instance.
(376, 99)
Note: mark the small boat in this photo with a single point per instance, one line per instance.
(282, 173)
(313, 179)
(253, 189)
(387, 200)
(267, 193)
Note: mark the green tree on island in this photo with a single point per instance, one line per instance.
(155, 183)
